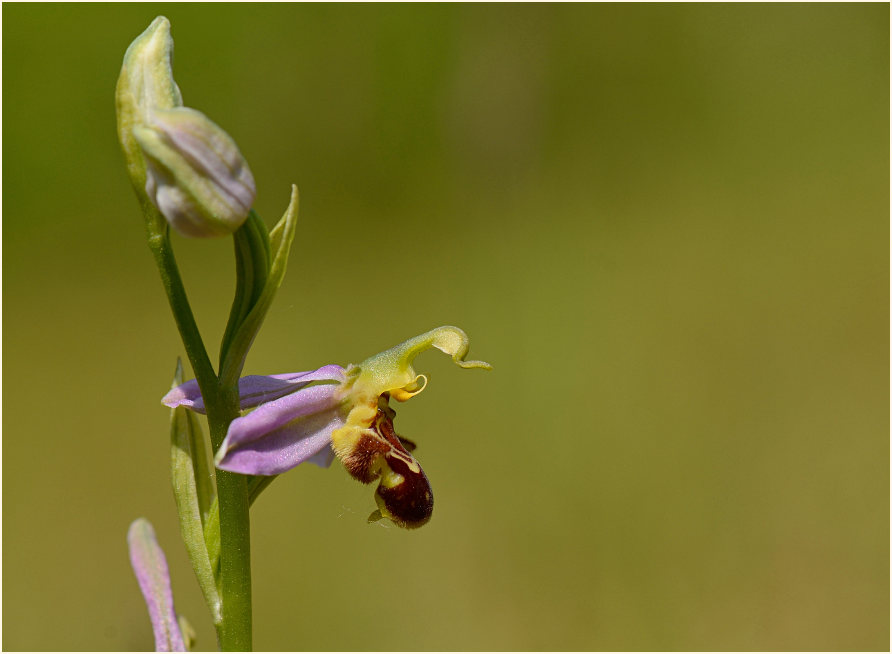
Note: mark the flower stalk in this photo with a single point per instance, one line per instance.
(236, 630)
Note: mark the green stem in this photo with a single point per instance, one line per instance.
(159, 243)
(256, 485)
(235, 534)
(235, 563)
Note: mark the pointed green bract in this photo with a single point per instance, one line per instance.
(252, 264)
(195, 492)
(280, 239)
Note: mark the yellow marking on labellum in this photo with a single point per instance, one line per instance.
(390, 479)
(409, 460)
(384, 428)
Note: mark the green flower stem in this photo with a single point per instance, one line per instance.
(256, 485)
(235, 535)
(159, 243)
(235, 563)
(235, 633)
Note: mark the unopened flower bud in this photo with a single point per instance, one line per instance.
(178, 160)
(195, 174)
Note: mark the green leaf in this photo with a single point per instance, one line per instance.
(212, 539)
(281, 237)
(194, 489)
(252, 262)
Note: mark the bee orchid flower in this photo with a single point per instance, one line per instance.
(335, 411)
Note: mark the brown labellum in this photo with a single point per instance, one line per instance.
(409, 503)
(404, 494)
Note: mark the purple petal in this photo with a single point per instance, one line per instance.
(284, 433)
(270, 416)
(153, 577)
(255, 389)
(187, 395)
(306, 440)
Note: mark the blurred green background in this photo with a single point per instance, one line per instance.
(666, 226)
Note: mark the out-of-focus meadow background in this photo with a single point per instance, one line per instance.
(666, 226)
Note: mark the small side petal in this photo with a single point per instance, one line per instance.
(153, 577)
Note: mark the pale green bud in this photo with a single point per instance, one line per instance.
(145, 84)
(195, 174)
(178, 160)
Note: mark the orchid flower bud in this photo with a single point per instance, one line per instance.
(179, 161)
(145, 84)
(195, 174)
